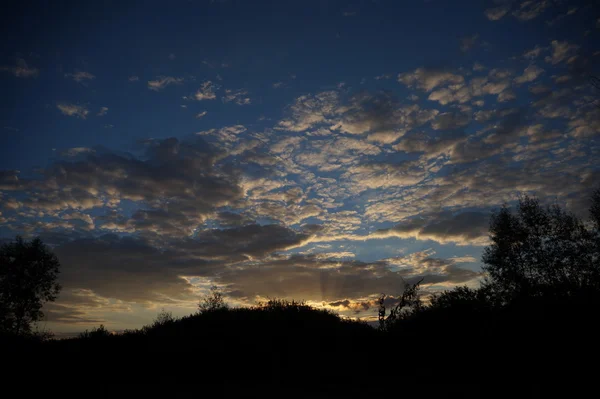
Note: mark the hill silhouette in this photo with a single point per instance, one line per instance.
(530, 329)
(534, 350)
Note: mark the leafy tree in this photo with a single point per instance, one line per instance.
(28, 272)
(212, 301)
(540, 251)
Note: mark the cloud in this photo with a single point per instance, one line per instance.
(453, 93)
(78, 111)
(434, 145)
(572, 10)
(310, 110)
(585, 123)
(133, 78)
(80, 76)
(429, 79)
(240, 97)
(531, 73)
(561, 51)
(468, 42)
(201, 115)
(232, 219)
(127, 269)
(329, 155)
(163, 81)
(530, 9)
(383, 175)
(110, 274)
(21, 69)
(172, 189)
(206, 91)
(507, 129)
(103, 111)
(466, 228)
(340, 282)
(562, 79)
(450, 120)
(496, 13)
(225, 134)
(75, 151)
(477, 67)
(495, 83)
(507, 95)
(533, 53)
(379, 115)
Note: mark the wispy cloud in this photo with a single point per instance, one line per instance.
(496, 13)
(428, 79)
(530, 9)
(533, 53)
(78, 111)
(561, 51)
(531, 73)
(21, 69)
(80, 76)
(163, 81)
(103, 111)
(240, 97)
(206, 91)
(468, 42)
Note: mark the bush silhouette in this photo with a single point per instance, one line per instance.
(97, 333)
(212, 301)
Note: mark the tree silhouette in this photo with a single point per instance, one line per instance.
(97, 333)
(540, 251)
(28, 272)
(408, 304)
(212, 301)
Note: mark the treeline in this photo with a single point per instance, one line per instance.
(532, 322)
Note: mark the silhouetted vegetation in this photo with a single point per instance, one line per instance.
(28, 273)
(534, 313)
(213, 301)
(96, 333)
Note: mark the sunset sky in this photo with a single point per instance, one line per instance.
(316, 150)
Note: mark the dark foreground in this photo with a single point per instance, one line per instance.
(541, 350)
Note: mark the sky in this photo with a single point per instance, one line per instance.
(325, 151)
